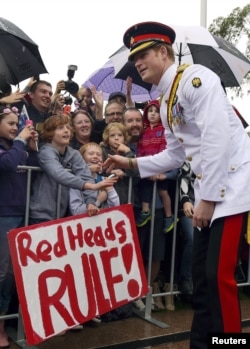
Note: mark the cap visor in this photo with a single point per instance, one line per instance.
(141, 47)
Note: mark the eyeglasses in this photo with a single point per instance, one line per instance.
(116, 113)
(10, 110)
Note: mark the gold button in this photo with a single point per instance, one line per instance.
(222, 195)
(180, 140)
(199, 176)
(233, 168)
(189, 158)
(222, 191)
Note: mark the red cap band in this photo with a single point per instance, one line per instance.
(147, 37)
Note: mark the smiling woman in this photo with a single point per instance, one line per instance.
(83, 125)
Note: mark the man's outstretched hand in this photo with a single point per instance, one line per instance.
(116, 161)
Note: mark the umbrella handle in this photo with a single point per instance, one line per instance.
(180, 55)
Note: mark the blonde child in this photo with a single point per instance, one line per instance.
(115, 141)
(107, 197)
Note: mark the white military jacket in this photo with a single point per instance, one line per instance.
(207, 132)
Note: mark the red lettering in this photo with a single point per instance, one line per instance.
(59, 248)
(73, 295)
(88, 237)
(68, 284)
(106, 257)
(109, 231)
(99, 238)
(103, 303)
(120, 228)
(53, 300)
(43, 251)
(23, 246)
(127, 256)
(73, 238)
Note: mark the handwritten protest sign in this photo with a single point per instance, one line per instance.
(69, 270)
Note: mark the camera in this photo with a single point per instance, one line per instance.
(71, 86)
(68, 100)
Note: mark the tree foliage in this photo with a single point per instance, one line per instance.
(236, 29)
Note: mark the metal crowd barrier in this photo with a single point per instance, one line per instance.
(18, 336)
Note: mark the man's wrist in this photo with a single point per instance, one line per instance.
(131, 164)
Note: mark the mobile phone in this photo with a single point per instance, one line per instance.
(112, 175)
(66, 109)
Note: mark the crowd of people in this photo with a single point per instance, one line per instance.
(80, 134)
(79, 139)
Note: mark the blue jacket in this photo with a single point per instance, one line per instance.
(13, 181)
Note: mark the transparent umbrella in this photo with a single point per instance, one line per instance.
(104, 80)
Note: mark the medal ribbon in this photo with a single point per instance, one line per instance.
(172, 94)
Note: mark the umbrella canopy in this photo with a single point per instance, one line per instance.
(227, 62)
(104, 80)
(195, 44)
(19, 55)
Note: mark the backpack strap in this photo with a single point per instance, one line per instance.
(172, 95)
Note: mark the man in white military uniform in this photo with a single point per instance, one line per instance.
(202, 127)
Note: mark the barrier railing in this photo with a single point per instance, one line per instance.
(18, 336)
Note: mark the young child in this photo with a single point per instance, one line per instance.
(15, 150)
(115, 140)
(62, 165)
(152, 142)
(85, 101)
(107, 197)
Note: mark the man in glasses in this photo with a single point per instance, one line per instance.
(112, 113)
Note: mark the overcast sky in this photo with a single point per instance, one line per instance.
(86, 33)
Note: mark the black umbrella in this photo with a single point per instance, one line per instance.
(225, 60)
(19, 55)
(124, 68)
